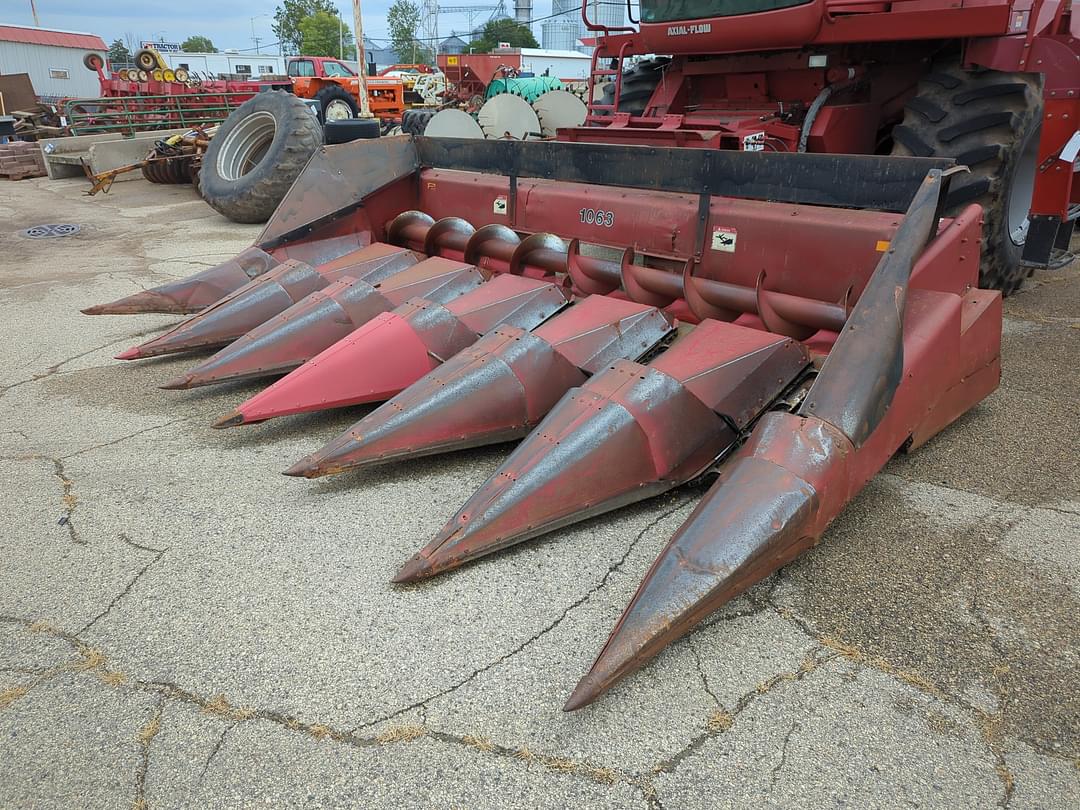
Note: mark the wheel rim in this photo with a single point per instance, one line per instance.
(338, 110)
(246, 145)
(1021, 189)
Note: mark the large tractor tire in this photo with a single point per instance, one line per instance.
(414, 122)
(256, 155)
(336, 104)
(638, 84)
(988, 121)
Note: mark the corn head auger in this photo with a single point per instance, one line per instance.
(639, 317)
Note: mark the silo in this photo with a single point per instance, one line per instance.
(523, 11)
(606, 12)
(560, 34)
(563, 31)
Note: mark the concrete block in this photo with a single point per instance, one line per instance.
(101, 152)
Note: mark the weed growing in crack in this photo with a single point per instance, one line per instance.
(479, 743)
(719, 721)
(404, 733)
(11, 694)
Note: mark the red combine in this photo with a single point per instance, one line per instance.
(992, 84)
(775, 315)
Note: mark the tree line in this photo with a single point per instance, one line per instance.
(315, 28)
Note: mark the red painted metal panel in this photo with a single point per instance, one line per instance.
(497, 389)
(47, 36)
(317, 322)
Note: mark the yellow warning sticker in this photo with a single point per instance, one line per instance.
(451, 60)
(881, 246)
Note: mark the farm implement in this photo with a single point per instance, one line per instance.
(637, 317)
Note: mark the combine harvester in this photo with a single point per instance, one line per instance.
(640, 317)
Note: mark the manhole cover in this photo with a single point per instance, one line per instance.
(51, 231)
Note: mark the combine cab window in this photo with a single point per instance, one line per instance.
(301, 67)
(655, 11)
(336, 69)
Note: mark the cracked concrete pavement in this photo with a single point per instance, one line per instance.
(181, 626)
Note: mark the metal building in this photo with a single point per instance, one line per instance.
(52, 58)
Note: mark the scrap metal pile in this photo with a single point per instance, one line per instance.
(636, 317)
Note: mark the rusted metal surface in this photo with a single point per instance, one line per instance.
(759, 517)
(497, 389)
(395, 349)
(335, 181)
(861, 374)
(195, 292)
(629, 433)
(316, 322)
(267, 295)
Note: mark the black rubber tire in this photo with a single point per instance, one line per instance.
(351, 129)
(254, 195)
(145, 59)
(986, 120)
(414, 122)
(333, 93)
(638, 84)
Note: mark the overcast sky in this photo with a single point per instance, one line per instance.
(228, 24)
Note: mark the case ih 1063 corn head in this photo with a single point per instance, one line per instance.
(638, 316)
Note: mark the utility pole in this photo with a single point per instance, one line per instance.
(361, 60)
(33, 10)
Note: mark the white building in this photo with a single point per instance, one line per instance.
(210, 65)
(52, 58)
(560, 64)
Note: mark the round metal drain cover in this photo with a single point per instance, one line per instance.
(51, 231)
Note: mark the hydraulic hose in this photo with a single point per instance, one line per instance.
(818, 103)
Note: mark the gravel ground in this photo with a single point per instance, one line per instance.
(181, 626)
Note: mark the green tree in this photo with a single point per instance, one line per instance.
(503, 30)
(198, 44)
(403, 21)
(119, 54)
(322, 33)
(289, 15)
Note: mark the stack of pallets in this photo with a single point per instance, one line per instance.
(21, 159)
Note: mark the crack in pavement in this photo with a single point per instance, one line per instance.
(126, 437)
(701, 673)
(775, 775)
(69, 500)
(214, 751)
(683, 499)
(127, 588)
(811, 664)
(987, 724)
(146, 737)
(92, 661)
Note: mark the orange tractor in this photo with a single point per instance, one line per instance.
(337, 89)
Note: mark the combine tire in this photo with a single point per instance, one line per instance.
(335, 104)
(414, 122)
(256, 155)
(988, 121)
(351, 129)
(638, 84)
